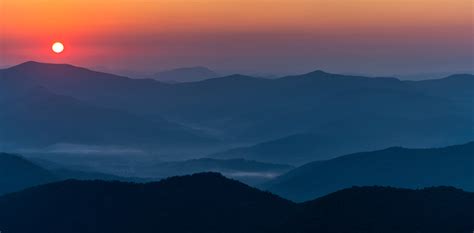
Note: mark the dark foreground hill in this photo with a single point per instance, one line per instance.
(205, 203)
(396, 166)
(387, 210)
(211, 203)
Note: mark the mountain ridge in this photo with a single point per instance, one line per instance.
(315, 73)
(395, 166)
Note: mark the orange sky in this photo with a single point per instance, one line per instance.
(149, 34)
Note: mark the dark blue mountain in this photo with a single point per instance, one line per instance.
(388, 210)
(396, 166)
(207, 203)
(33, 115)
(210, 203)
(17, 173)
(299, 148)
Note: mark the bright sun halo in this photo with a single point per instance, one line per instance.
(57, 47)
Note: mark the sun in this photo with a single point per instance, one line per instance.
(58, 47)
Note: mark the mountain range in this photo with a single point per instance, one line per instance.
(395, 166)
(18, 172)
(211, 203)
(247, 171)
(329, 114)
(32, 114)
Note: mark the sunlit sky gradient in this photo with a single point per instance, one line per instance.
(380, 37)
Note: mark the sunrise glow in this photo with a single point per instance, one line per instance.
(278, 36)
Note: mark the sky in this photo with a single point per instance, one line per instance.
(378, 37)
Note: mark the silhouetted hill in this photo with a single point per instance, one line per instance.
(17, 173)
(186, 74)
(396, 166)
(206, 203)
(388, 210)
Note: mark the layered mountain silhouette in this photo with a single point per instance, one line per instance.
(186, 74)
(396, 166)
(299, 148)
(18, 173)
(362, 113)
(209, 202)
(247, 171)
(33, 115)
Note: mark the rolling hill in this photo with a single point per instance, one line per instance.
(17, 173)
(396, 166)
(299, 148)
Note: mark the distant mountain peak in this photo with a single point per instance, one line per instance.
(318, 72)
(30, 64)
(40, 70)
(186, 74)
